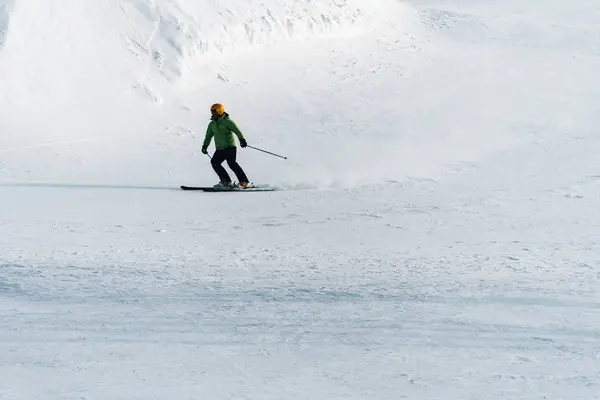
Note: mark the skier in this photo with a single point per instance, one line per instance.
(222, 128)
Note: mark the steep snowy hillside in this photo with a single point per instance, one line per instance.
(96, 86)
(117, 92)
(178, 36)
(352, 92)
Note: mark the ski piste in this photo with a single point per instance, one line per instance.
(252, 188)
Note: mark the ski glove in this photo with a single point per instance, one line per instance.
(204, 150)
(243, 143)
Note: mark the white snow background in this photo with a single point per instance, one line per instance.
(436, 235)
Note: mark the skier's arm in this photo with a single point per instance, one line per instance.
(233, 127)
(208, 137)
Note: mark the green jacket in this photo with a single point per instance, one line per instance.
(222, 130)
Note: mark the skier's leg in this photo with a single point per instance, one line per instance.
(235, 167)
(216, 161)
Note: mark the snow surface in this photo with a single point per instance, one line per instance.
(436, 235)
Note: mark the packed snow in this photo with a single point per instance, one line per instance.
(434, 234)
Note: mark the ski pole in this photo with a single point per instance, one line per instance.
(268, 152)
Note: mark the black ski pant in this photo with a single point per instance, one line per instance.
(229, 154)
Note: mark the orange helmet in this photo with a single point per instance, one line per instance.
(217, 109)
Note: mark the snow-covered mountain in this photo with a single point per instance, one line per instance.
(437, 232)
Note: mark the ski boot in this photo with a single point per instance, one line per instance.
(224, 185)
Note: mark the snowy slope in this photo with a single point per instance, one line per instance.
(437, 237)
(94, 75)
(128, 83)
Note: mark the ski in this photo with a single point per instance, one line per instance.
(231, 189)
